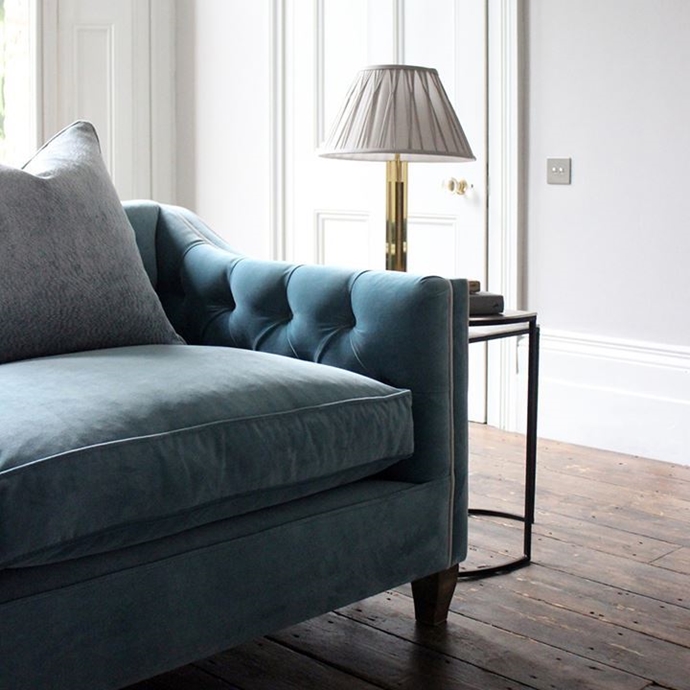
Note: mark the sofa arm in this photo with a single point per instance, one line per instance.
(405, 330)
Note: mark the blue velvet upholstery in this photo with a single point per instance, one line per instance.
(261, 573)
(404, 330)
(105, 620)
(188, 434)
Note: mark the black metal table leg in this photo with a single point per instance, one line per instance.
(514, 324)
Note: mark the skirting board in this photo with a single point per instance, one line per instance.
(622, 395)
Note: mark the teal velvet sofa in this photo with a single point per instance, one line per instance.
(296, 441)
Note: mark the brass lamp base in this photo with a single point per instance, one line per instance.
(396, 215)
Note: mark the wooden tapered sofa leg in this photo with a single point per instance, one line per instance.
(432, 596)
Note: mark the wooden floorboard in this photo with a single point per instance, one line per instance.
(487, 646)
(605, 603)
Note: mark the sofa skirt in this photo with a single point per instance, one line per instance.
(107, 621)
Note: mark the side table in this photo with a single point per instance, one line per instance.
(506, 325)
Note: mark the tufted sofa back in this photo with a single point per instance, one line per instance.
(407, 331)
(215, 296)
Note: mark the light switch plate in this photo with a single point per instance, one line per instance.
(558, 170)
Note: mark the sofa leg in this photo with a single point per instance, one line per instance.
(432, 596)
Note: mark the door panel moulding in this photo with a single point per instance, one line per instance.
(140, 111)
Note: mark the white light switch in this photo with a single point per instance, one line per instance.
(558, 170)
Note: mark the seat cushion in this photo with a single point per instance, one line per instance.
(71, 277)
(109, 448)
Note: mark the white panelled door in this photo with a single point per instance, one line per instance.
(335, 209)
(97, 65)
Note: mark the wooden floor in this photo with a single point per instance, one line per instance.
(605, 603)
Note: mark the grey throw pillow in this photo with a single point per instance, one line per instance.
(71, 277)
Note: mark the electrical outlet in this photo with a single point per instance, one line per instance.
(558, 170)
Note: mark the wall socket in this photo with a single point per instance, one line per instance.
(558, 170)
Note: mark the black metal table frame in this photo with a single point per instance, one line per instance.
(506, 325)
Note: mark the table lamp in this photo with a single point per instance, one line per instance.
(397, 113)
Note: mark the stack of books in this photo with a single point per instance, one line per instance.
(484, 303)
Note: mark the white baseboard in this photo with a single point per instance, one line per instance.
(628, 396)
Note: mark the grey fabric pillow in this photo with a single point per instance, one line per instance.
(71, 277)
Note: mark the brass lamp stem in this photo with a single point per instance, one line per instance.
(396, 214)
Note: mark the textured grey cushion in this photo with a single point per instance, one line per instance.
(71, 277)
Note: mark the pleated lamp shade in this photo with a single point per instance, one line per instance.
(397, 109)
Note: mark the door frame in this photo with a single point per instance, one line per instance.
(505, 174)
(506, 266)
(506, 269)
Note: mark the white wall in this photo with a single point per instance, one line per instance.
(222, 113)
(608, 255)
